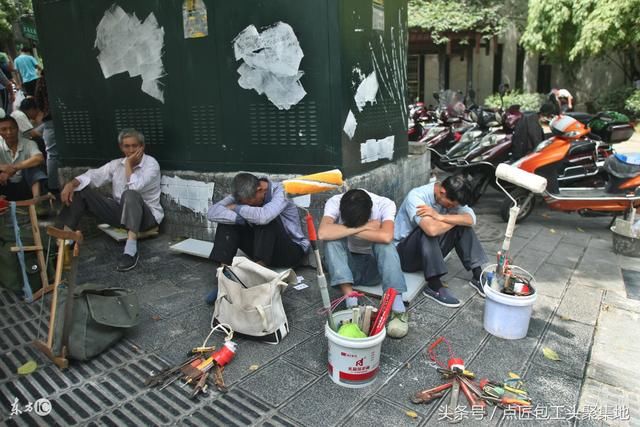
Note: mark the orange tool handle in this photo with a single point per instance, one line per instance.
(507, 401)
(311, 229)
(383, 313)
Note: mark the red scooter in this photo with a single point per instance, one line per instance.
(620, 194)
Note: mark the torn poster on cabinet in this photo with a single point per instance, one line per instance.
(128, 45)
(367, 91)
(194, 19)
(376, 149)
(271, 61)
(350, 125)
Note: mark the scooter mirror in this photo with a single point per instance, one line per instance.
(532, 182)
(436, 95)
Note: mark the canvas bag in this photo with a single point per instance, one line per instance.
(255, 310)
(100, 317)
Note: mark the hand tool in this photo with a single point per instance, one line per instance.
(473, 402)
(219, 381)
(427, 396)
(161, 377)
(322, 280)
(383, 313)
(453, 402)
(447, 373)
(203, 349)
(505, 401)
(201, 385)
(366, 320)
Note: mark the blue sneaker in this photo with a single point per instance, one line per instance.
(212, 296)
(442, 296)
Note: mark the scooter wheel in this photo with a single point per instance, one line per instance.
(524, 200)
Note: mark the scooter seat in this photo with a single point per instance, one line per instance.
(623, 166)
(583, 118)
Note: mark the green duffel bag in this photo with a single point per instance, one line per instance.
(100, 317)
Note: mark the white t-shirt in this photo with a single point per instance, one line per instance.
(24, 123)
(383, 209)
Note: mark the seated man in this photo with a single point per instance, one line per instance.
(135, 189)
(357, 228)
(20, 158)
(434, 219)
(26, 115)
(260, 220)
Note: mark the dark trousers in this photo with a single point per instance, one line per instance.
(15, 191)
(131, 213)
(268, 243)
(29, 88)
(421, 252)
(21, 190)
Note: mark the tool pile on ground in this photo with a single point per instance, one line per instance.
(507, 394)
(196, 370)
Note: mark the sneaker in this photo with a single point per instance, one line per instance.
(212, 296)
(127, 262)
(477, 286)
(398, 326)
(442, 296)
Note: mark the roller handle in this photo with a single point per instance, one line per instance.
(311, 229)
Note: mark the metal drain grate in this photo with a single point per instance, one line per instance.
(107, 390)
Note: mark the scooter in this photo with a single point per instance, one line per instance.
(618, 198)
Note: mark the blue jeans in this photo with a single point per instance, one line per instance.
(364, 270)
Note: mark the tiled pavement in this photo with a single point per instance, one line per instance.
(582, 312)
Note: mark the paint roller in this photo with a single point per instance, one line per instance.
(529, 181)
(311, 184)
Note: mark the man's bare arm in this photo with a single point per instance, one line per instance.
(382, 234)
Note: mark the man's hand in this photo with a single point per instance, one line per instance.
(11, 170)
(4, 178)
(232, 206)
(135, 159)
(428, 211)
(66, 195)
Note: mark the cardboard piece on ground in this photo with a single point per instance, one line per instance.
(202, 249)
(415, 283)
(194, 247)
(120, 234)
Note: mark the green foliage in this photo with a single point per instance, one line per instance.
(613, 100)
(526, 101)
(441, 17)
(10, 11)
(632, 103)
(569, 31)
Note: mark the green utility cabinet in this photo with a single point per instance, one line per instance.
(209, 123)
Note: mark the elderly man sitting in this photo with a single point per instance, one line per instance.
(20, 158)
(135, 191)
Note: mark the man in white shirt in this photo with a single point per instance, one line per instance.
(25, 116)
(357, 229)
(135, 202)
(20, 174)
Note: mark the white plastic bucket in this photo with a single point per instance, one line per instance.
(353, 362)
(507, 316)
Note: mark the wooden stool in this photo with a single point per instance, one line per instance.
(37, 243)
(47, 347)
